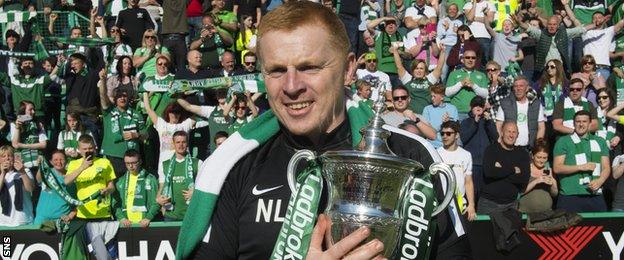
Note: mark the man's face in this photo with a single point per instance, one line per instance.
(420, 2)
(47, 66)
(27, 67)
(72, 122)
(436, 99)
(368, 40)
(470, 59)
(161, 67)
(400, 99)
(510, 134)
(371, 65)
(219, 4)
(581, 124)
(576, 91)
(180, 144)
(448, 136)
(84, 148)
(194, 59)
(534, 23)
(58, 161)
(133, 164)
(11, 41)
(304, 79)
(477, 111)
(121, 100)
(75, 33)
(507, 27)
(553, 24)
(77, 65)
(391, 27)
(219, 141)
(250, 63)
(133, 3)
(520, 88)
(228, 62)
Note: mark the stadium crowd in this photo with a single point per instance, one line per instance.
(521, 98)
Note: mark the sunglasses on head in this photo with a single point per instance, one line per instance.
(447, 133)
(399, 98)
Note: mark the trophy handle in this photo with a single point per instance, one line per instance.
(292, 167)
(446, 170)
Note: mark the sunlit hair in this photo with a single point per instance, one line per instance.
(6, 149)
(149, 32)
(437, 89)
(292, 15)
(540, 146)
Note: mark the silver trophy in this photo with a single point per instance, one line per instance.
(370, 186)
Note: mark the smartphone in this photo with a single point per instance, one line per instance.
(24, 118)
(89, 156)
(546, 172)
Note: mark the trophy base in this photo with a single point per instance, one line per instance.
(385, 229)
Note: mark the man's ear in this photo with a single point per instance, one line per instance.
(349, 68)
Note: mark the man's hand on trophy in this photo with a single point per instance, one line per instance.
(345, 248)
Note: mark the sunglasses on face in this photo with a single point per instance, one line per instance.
(399, 98)
(249, 63)
(372, 60)
(470, 57)
(576, 89)
(114, 30)
(150, 37)
(589, 63)
(241, 108)
(491, 69)
(603, 97)
(552, 67)
(162, 64)
(447, 133)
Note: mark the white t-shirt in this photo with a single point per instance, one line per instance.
(522, 121)
(596, 42)
(478, 28)
(165, 135)
(413, 12)
(17, 218)
(384, 81)
(460, 161)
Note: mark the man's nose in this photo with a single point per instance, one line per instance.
(293, 82)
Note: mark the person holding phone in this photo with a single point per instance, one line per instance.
(542, 187)
(28, 136)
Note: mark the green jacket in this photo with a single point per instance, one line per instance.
(119, 200)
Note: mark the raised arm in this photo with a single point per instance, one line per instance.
(104, 101)
(437, 71)
(148, 108)
(251, 105)
(570, 13)
(397, 61)
(613, 113)
(228, 106)
(189, 107)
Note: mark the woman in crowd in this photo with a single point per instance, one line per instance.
(173, 119)
(552, 86)
(52, 202)
(16, 186)
(246, 40)
(144, 58)
(465, 41)
(28, 136)
(606, 125)
(68, 138)
(124, 79)
(592, 80)
(542, 187)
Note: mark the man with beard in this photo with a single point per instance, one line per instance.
(28, 86)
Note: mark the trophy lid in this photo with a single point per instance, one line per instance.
(374, 145)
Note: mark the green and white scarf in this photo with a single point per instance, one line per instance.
(30, 135)
(14, 16)
(168, 186)
(582, 156)
(606, 128)
(130, 116)
(156, 84)
(253, 83)
(551, 96)
(139, 202)
(86, 42)
(215, 169)
(50, 181)
(569, 109)
(619, 88)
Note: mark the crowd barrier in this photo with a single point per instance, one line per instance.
(598, 236)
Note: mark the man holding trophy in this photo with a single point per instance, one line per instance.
(244, 189)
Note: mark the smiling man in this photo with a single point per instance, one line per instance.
(303, 53)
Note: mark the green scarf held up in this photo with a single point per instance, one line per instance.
(50, 181)
(253, 83)
(86, 42)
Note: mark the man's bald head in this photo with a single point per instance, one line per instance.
(194, 59)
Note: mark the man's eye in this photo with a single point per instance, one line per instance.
(274, 73)
(309, 68)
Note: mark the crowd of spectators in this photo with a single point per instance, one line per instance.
(521, 98)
